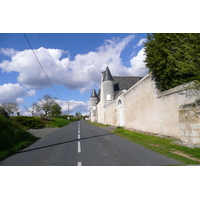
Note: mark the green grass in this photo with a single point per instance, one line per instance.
(13, 138)
(97, 124)
(58, 122)
(162, 145)
(26, 122)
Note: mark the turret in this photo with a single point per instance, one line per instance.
(93, 105)
(107, 87)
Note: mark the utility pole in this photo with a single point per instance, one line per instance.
(68, 111)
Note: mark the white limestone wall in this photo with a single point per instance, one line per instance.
(147, 110)
(100, 112)
(110, 114)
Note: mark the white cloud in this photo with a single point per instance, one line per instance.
(74, 106)
(14, 93)
(8, 52)
(137, 64)
(82, 72)
(19, 100)
(141, 42)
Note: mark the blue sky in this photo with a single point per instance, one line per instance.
(72, 61)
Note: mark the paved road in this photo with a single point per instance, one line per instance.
(82, 144)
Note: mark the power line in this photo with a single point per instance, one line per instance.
(42, 67)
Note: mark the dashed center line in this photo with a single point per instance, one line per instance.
(79, 143)
(79, 128)
(79, 147)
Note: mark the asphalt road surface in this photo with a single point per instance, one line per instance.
(82, 144)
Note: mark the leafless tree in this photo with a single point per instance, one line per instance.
(34, 109)
(10, 107)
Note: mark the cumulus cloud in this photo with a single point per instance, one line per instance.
(74, 106)
(8, 51)
(137, 64)
(81, 73)
(14, 93)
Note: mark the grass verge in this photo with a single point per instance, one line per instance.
(97, 124)
(13, 138)
(188, 156)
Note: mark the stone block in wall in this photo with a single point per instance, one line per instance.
(184, 139)
(189, 120)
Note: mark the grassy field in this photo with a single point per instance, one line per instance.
(188, 156)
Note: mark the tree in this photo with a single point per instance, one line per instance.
(78, 116)
(10, 107)
(55, 110)
(3, 112)
(173, 58)
(46, 103)
(34, 109)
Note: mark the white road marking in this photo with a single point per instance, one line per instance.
(79, 127)
(79, 147)
(79, 143)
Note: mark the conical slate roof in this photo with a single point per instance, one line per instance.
(107, 75)
(94, 94)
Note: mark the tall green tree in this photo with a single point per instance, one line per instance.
(173, 58)
(56, 110)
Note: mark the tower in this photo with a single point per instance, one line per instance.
(93, 106)
(107, 87)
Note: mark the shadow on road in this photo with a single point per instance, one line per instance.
(51, 145)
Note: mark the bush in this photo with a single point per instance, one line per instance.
(71, 118)
(29, 122)
(3, 112)
(47, 118)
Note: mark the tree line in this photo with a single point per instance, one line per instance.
(47, 104)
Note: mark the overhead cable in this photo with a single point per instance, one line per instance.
(42, 67)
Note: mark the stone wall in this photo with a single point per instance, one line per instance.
(146, 109)
(189, 117)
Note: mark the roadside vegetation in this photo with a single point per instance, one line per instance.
(13, 138)
(97, 124)
(26, 122)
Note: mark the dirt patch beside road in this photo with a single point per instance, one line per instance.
(40, 133)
